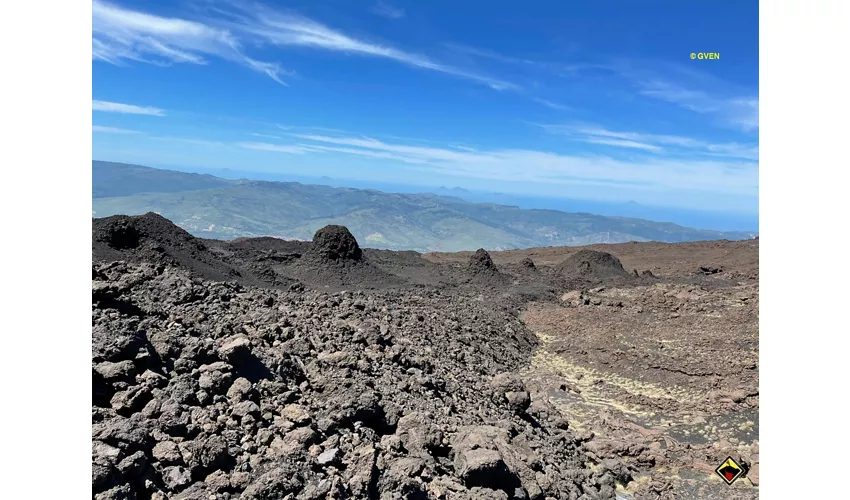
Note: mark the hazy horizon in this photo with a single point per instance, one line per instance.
(706, 219)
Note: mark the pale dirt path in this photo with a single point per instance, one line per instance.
(664, 377)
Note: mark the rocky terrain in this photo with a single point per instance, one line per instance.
(270, 369)
(661, 369)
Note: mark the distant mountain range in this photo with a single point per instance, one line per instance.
(213, 207)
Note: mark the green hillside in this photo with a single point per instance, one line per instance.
(216, 208)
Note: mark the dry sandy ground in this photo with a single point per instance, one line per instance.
(663, 259)
(662, 375)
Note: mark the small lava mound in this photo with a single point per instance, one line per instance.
(480, 262)
(155, 239)
(123, 232)
(527, 263)
(336, 260)
(335, 243)
(483, 271)
(592, 264)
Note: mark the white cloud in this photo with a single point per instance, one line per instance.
(285, 29)
(369, 153)
(386, 10)
(327, 129)
(691, 89)
(745, 113)
(262, 146)
(112, 130)
(622, 143)
(117, 107)
(552, 105)
(518, 165)
(194, 142)
(492, 55)
(654, 142)
(740, 112)
(729, 104)
(272, 70)
(120, 34)
(266, 136)
(411, 154)
(694, 90)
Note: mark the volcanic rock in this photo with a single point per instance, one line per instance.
(591, 264)
(335, 243)
(176, 477)
(205, 388)
(154, 239)
(328, 456)
(167, 452)
(480, 261)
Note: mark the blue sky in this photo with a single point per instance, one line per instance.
(588, 99)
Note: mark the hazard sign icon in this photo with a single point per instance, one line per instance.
(730, 470)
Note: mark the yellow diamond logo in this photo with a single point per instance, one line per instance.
(730, 470)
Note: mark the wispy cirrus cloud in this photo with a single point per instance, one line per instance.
(112, 130)
(744, 112)
(552, 105)
(120, 35)
(117, 107)
(206, 143)
(368, 153)
(384, 9)
(741, 112)
(694, 90)
(520, 165)
(621, 143)
(688, 88)
(657, 143)
(286, 30)
(491, 54)
(265, 136)
(264, 146)
(408, 152)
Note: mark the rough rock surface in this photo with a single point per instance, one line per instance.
(592, 264)
(483, 272)
(480, 261)
(335, 243)
(205, 388)
(153, 238)
(262, 369)
(659, 372)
